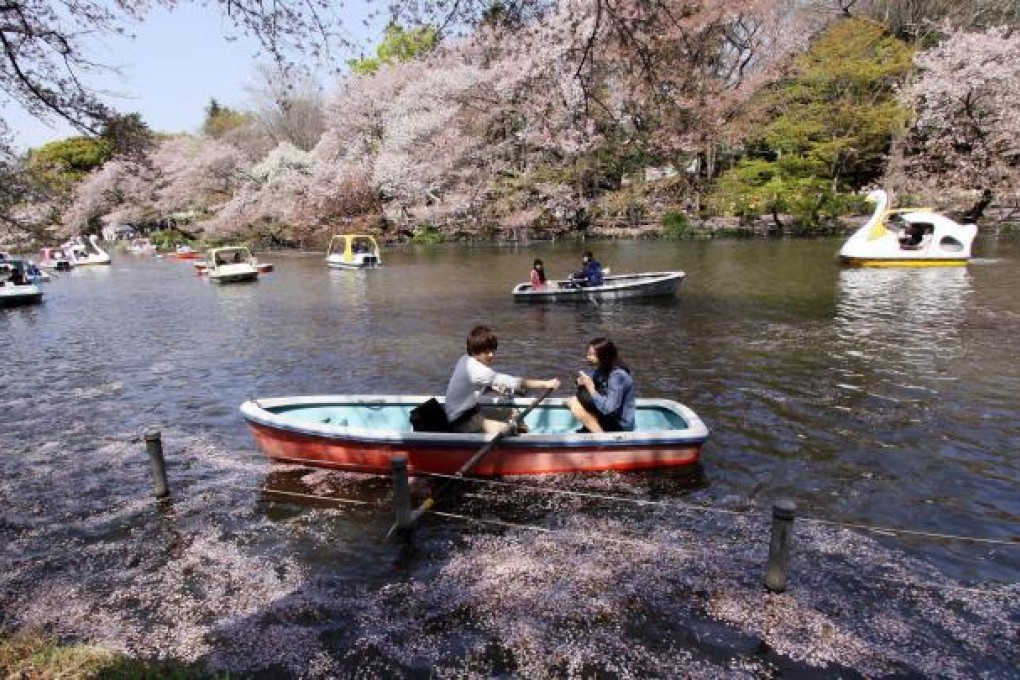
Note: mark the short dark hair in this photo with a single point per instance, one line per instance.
(481, 339)
(588, 254)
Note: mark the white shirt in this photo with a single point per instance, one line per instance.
(470, 378)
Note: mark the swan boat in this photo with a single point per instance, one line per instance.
(353, 251)
(364, 432)
(908, 237)
(234, 264)
(16, 286)
(83, 252)
(616, 287)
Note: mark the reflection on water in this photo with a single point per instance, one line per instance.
(903, 313)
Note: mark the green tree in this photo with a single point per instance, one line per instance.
(57, 166)
(127, 135)
(220, 120)
(398, 46)
(829, 126)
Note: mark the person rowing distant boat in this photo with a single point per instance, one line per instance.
(590, 274)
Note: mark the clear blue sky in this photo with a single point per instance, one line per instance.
(175, 64)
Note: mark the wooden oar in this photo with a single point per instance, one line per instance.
(510, 426)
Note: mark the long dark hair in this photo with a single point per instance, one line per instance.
(540, 268)
(607, 355)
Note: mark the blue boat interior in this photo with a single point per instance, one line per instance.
(396, 416)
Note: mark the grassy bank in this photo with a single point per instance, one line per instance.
(35, 656)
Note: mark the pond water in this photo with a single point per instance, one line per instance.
(875, 399)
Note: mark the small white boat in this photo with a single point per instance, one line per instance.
(81, 251)
(353, 251)
(617, 287)
(908, 237)
(16, 286)
(233, 264)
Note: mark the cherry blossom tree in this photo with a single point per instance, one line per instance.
(966, 133)
(119, 191)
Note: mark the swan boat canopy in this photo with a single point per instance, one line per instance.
(363, 433)
(85, 252)
(231, 265)
(353, 251)
(911, 237)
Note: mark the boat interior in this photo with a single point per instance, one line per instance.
(545, 419)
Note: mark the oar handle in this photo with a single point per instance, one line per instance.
(501, 434)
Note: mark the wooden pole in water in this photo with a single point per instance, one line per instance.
(779, 547)
(401, 494)
(154, 447)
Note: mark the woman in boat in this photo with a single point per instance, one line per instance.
(605, 398)
(473, 375)
(538, 275)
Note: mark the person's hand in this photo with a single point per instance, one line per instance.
(584, 380)
(553, 384)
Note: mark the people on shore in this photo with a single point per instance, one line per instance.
(590, 274)
(605, 399)
(472, 375)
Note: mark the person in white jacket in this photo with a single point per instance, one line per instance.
(473, 375)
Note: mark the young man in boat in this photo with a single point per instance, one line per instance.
(473, 375)
(591, 274)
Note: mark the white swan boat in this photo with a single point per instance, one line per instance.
(234, 264)
(908, 237)
(83, 252)
(353, 251)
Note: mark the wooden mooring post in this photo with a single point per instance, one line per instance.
(401, 494)
(783, 513)
(154, 447)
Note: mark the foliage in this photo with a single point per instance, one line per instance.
(288, 108)
(427, 234)
(675, 225)
(29, 655)
(828, 126)
(219, 120)
(398, 46)
(58, 165)
(167, 239)
(921, 21)
(127, 135)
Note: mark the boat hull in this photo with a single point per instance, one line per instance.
(903, 262)
(282, 436)
(18, 296)
(367, 262)
(234, 277)
(619, 287)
